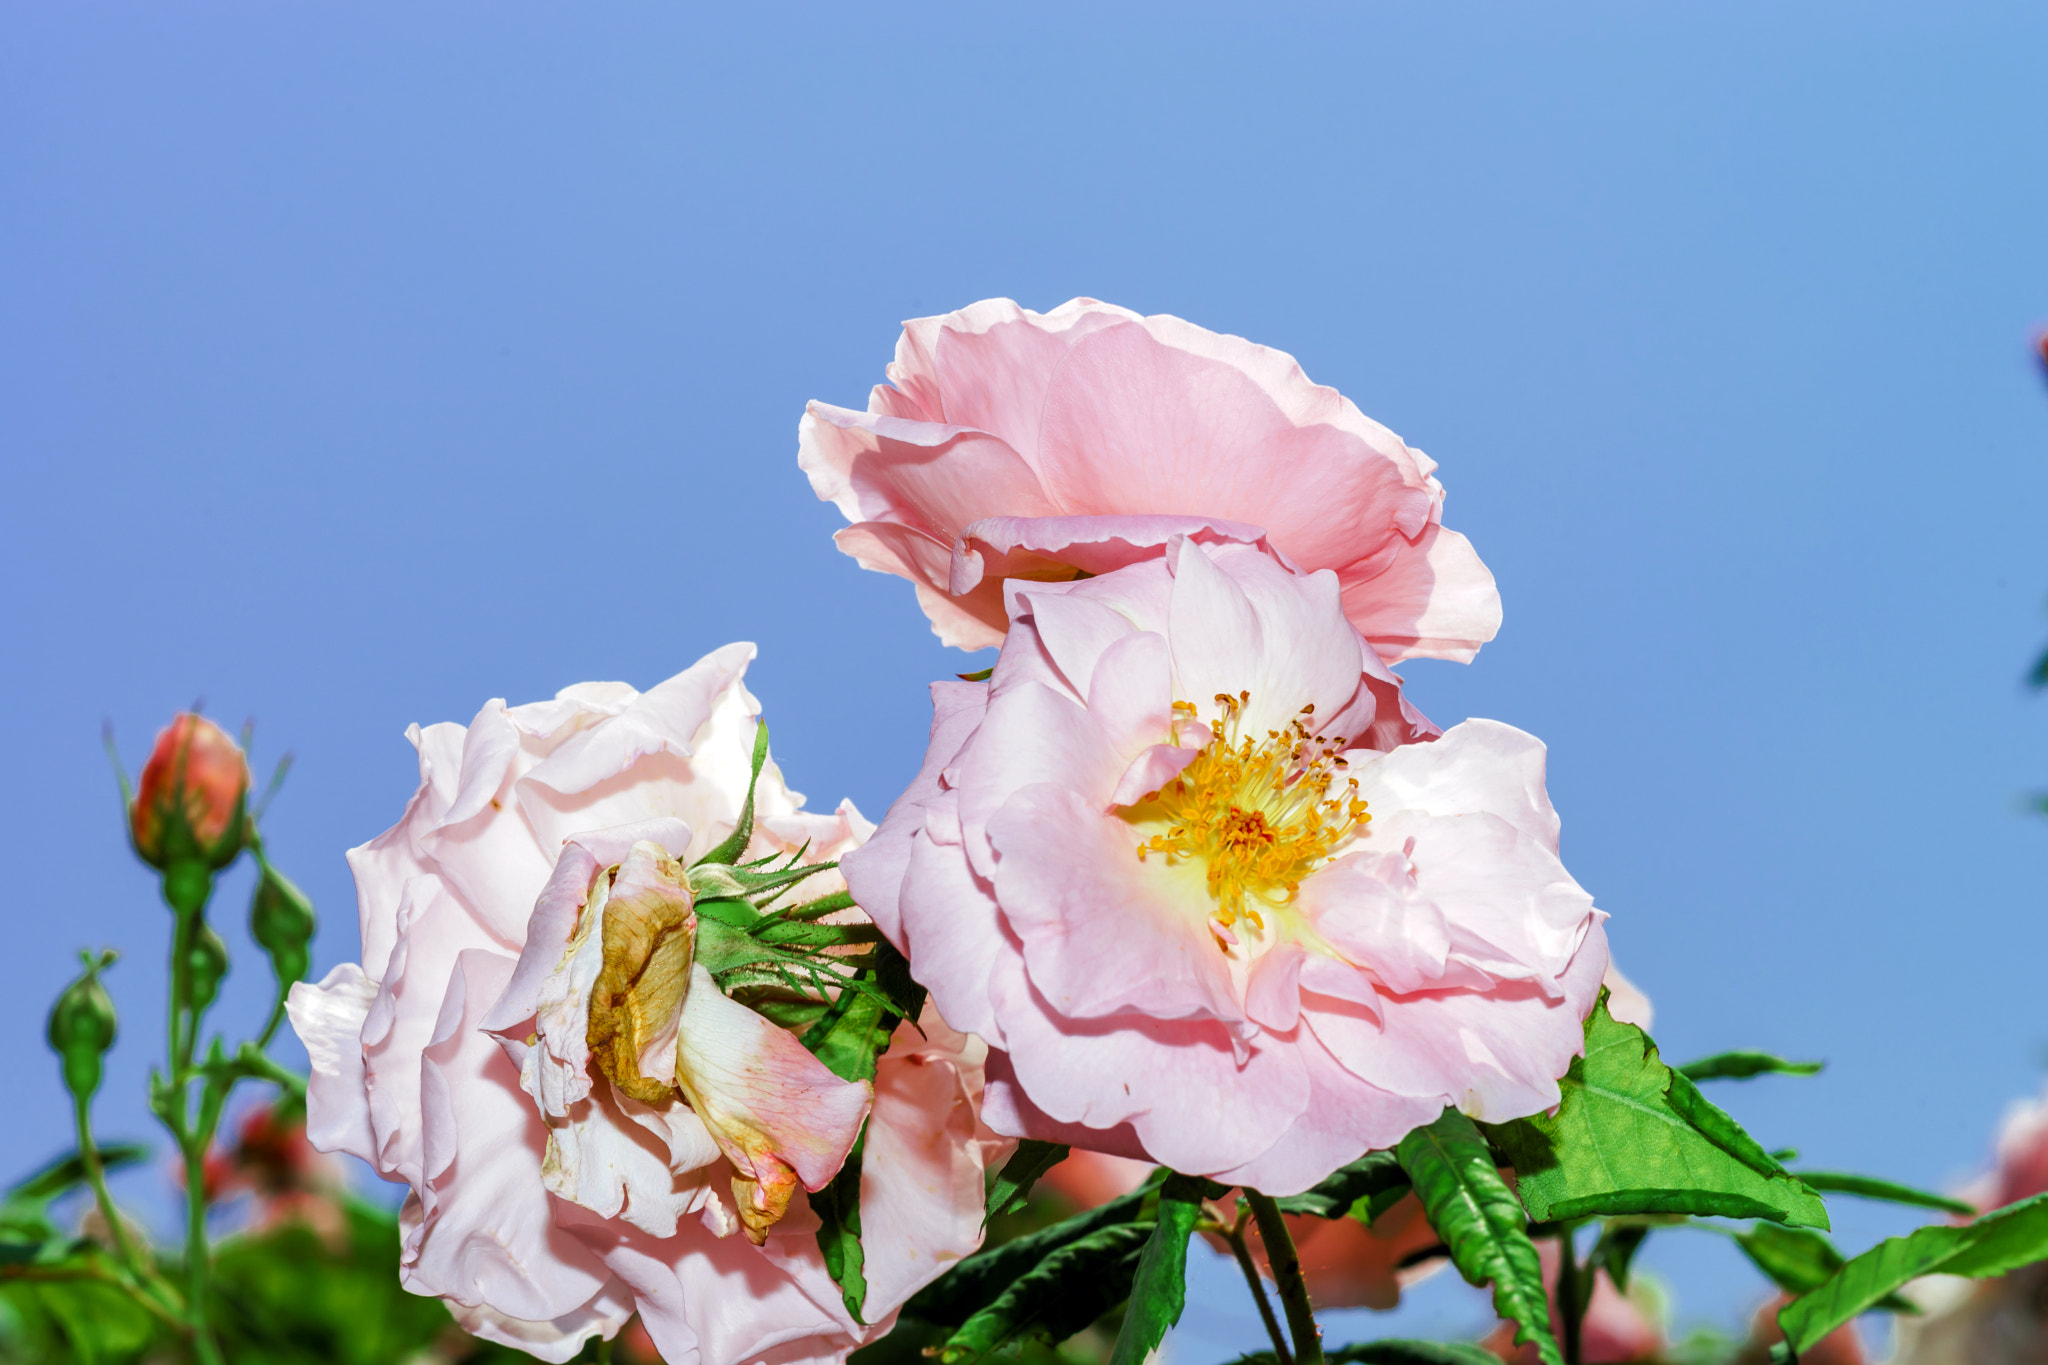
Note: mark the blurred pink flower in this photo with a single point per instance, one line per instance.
(1617, 1329)
(1136, 862)
(1017, 445)
(543, 1217)
(2002, 1321)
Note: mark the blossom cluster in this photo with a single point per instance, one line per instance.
(1186, 877)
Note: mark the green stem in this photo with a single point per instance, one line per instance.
(1234, 1235)
(1570, 1301)
(96, 1176)
(1286, 1263)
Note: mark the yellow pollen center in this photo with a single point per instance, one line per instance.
(1258, 816)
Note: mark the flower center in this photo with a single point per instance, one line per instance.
(1258, 815)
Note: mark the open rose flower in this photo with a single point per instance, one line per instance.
(1018, 445)
(589, 1125)
(1161, 864)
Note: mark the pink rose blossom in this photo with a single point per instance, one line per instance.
(548, 1203)
(1136, 863)
(1017, 445)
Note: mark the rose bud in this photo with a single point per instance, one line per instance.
(189, 805)
(207, 961)
(82, 1027)
(281, 921)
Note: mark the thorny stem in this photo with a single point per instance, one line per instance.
(1234, 1234)
(1286, 1263)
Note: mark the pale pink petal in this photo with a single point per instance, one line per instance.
(1492, 1054)
(1367, 907)
(921, 1171)
(711, 1301)
(1076, 631)
(1179, 1083)
(1481, 765)
(329, 1020)
(1626, 1002)
(1037, 547)
(777, 1112)
(560, 1339)
(1031, 734)
(972, 619)
(1434, 600)
(489, 1235)
(1103, 932)
(936, 477)
(1344, 1119)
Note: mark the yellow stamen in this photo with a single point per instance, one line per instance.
(1259, 816)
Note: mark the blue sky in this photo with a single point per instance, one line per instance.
(360, 364)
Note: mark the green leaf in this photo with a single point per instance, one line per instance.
(1372, 1175)
(838, 1208)
(1159, 1290)
(1632, 1136)
(1888, 1191)
(976, 1282)
(1393, 1353)
(1616, 1251)
(1740, 1066)
(1475, 1213)
(2011, 1237)
(1065, 1292)
(1013, 1183)
(1800, 1260)
(68, 1170)
(743, 829)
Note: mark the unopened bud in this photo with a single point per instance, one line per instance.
(189, 804)
(281, 920)
(82, 1027)
(207, 963)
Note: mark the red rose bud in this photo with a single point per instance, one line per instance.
(189, 804)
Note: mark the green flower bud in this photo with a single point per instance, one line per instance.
(281, 920)
(207, 962)
(82, 1027)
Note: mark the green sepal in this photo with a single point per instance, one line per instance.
(976, 1282)
(1012, 1185)
(2004, 1240)
(1371, 1176)
(978, 675)
(1741, 1066)
(1068, 1290)
(838, 1208)
(1485, 1230)
(1800, 1260)
(1885, 1191)
(1160, 1287)
(1392, 1352)
(1632, 1136)
(735, 844)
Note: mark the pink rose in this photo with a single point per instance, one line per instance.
(1138, 863)
(590, 1128)
(1019, 445)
